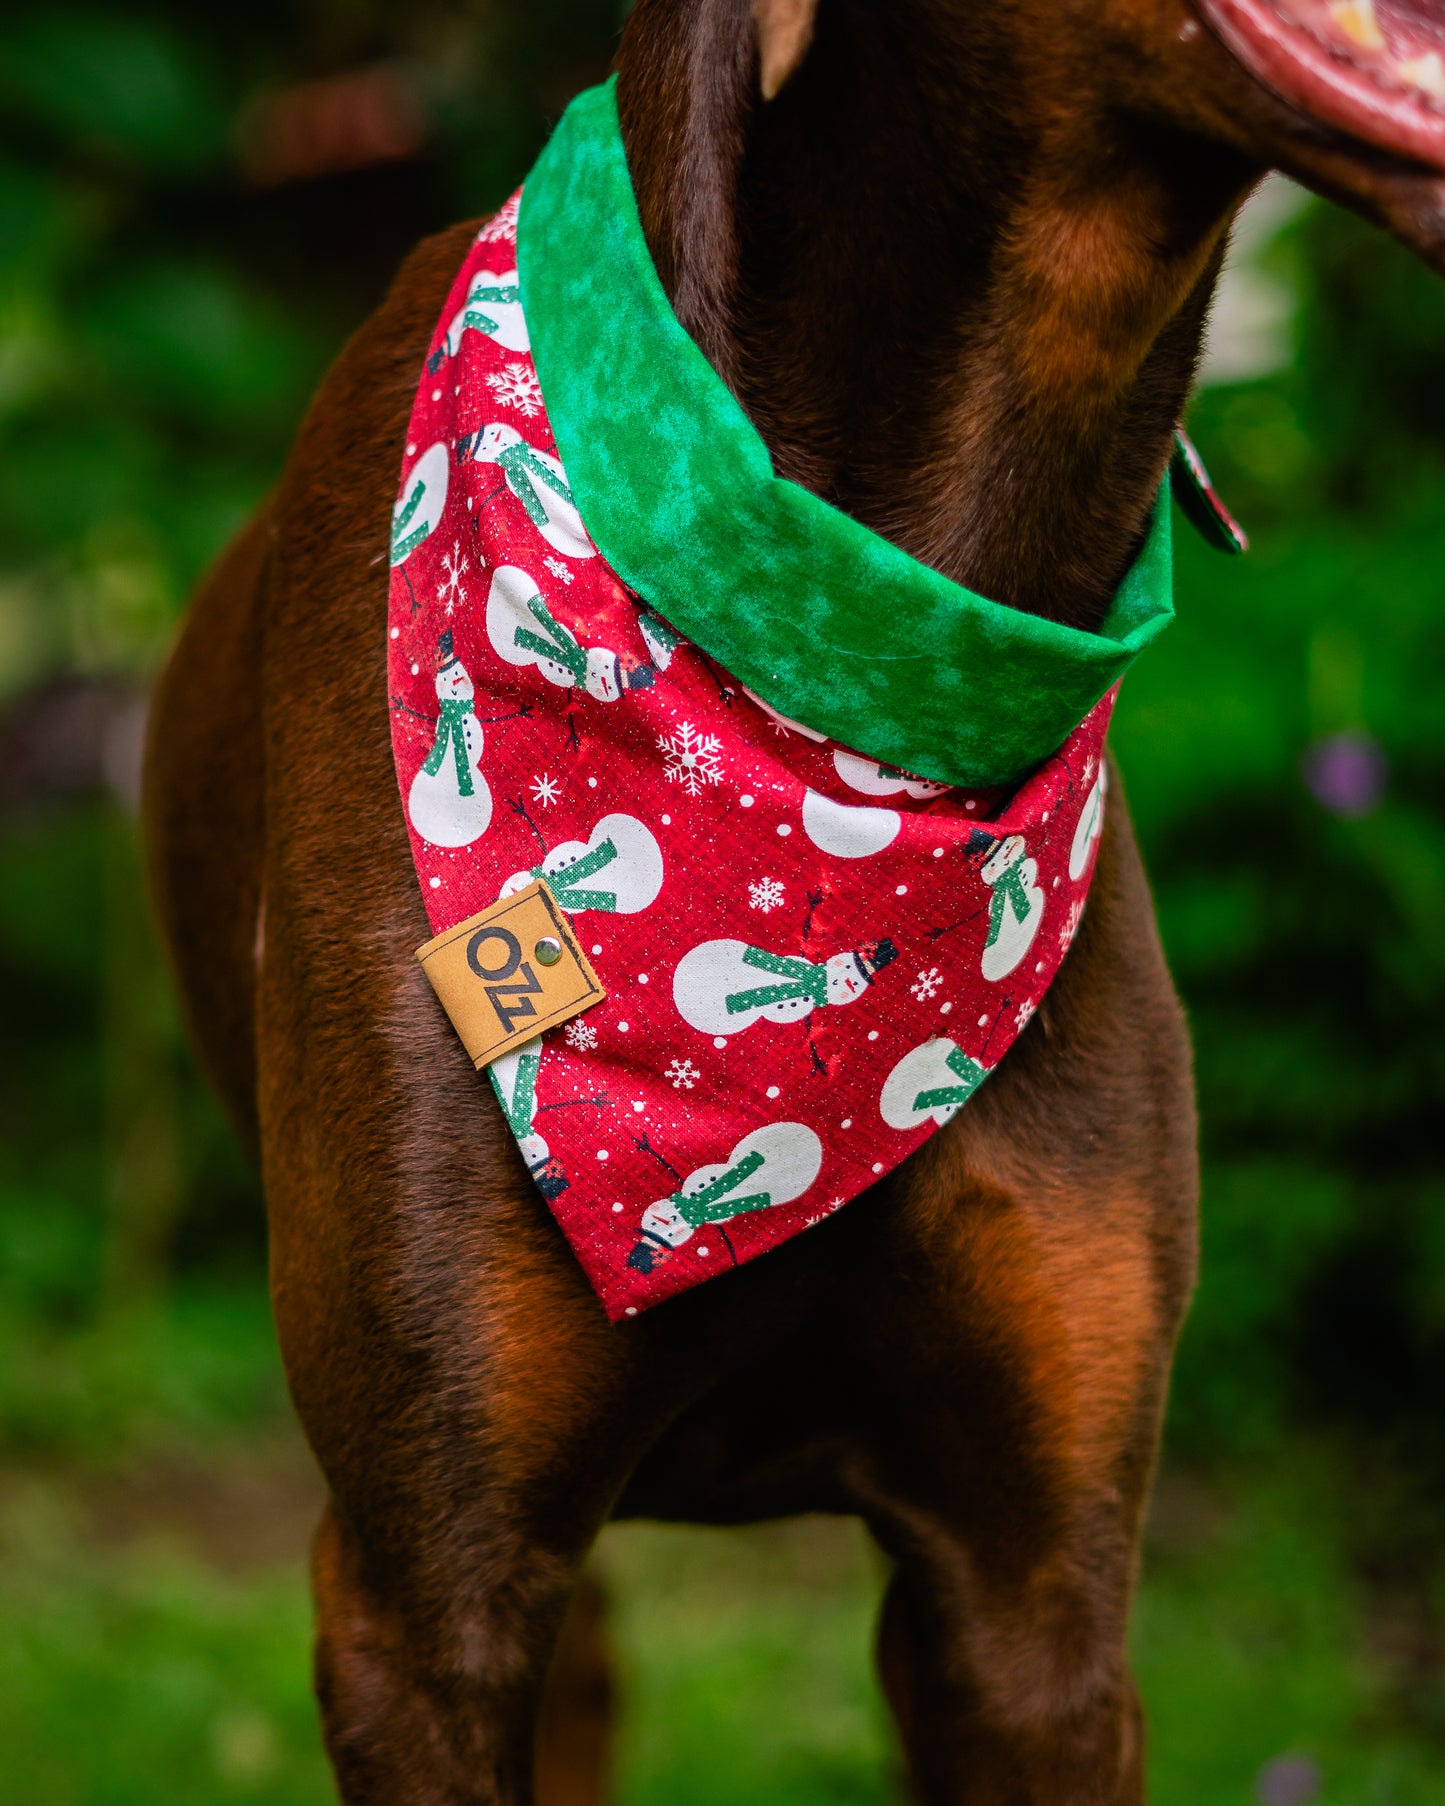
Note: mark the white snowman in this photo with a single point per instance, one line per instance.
(1090, 825)
(930, 1084)
(421, 503)
(539, 483)
(618, 868)
(449, 802)
(1016, 908)
(771, 1166)
(873, 779)
(524, 631)
(608, 675)
(660, 639)
(514, 1079)
(493, 307)
(723, 987)
(847, 830)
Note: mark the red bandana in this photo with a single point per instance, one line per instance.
(811, 960)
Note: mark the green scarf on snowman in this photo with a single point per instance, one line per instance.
(1009, 891)
(560, 646)
(521, 1107)
(451, 731)
(520, 463)
(564, 885)
(715, 1202)
(483, 322)
(802, 979)
(402, 541)
(942, 1097)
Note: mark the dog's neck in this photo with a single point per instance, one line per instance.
(960, 308)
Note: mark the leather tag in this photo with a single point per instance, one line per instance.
(509, 972)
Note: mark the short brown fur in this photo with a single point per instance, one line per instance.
(957, 272)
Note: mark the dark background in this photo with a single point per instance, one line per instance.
(196, 206)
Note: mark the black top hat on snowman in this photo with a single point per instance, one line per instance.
(873, 956)
(446, 654)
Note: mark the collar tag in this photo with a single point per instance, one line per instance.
(509, 972)
(1203, 506)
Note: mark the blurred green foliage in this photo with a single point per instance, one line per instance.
(1311, 948)
(163, 317)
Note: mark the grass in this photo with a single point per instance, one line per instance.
(154, 1638)
(146, 1674)
(745, 1664)
(1254, 1641)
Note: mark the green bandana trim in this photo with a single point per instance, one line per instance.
(829, 622)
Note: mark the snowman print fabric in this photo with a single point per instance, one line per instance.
(811, 960)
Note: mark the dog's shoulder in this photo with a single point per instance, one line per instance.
(361, 408)
(409, 313)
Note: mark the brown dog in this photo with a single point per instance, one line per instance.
(1003, 222)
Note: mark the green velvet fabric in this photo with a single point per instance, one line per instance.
(827, 621)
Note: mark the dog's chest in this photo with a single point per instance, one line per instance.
(810, 959)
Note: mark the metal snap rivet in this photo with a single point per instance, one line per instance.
(547, 951)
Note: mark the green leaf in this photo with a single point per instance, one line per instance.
(125, 87)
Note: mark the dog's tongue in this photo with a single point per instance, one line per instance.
(1398, 43)
(1373, 69)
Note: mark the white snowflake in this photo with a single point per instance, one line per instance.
(683, 1075)
(580, 1036)
(1071, 925)
(558, 569)
(546, 789)
(765, 894)
(455, 565)
(1026, 1009)
(693, 759)
(515, 386)
(926, 984)
(503, 223)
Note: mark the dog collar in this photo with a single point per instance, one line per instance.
(809, 952)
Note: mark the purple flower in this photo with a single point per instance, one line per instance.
(1287, 1781)
(1346, 774)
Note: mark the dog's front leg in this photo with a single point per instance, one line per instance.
(1017, 1341)
(1013, 1455)
(449, 1551)
(472, 1409)
(1013, 1689)
(424, 1699)
(433, 1700)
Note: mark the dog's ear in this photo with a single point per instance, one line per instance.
(785, 30)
